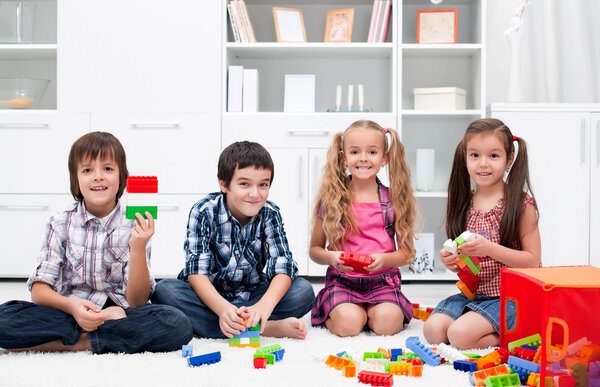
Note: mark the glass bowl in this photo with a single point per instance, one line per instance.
(21, 93)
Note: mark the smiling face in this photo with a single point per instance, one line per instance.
(364, 153)
(487, 160)
(98, 182)
(247, 192)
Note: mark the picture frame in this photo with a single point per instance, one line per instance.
(339, 25)
(437, 26)
(289, 25)
(299, 95)
(424, 257)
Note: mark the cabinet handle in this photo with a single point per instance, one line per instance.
(24, 125)
(26, 207)
(168, 208)
(154, 125)
(309, 132)
(299, 177)
(598, 142)
(316, 172)
(582, 141)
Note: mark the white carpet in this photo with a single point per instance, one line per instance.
(302, 365)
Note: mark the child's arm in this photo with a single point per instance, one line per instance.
(86, 313)
(229, 320)
(529, 235)
(261, 311)
(138, 283)
(318, 253)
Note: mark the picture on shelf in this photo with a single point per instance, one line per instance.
(289, 25)
(339, 25)
(437, 26)
(299, 95)
(424, 258)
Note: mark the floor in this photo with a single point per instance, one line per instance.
(425, 294)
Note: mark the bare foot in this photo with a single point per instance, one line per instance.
(113, 313)
(289, 327)
(57, 346)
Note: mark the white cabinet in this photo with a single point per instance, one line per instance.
(564, 167)
(139, 56)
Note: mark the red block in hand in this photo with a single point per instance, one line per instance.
(357, 261)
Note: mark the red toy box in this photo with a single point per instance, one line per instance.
(562, 304)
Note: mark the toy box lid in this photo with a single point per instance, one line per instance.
(439, 90)
(563, 276)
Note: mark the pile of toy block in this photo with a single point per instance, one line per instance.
(269, 354)
(469, 266)
(142, 196)
(420, 313)
(248, 338)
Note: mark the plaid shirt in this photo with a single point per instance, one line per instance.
(487, 224)
(86, 257)
(235, 257)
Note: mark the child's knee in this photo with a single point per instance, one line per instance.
(386, 320)
(460, 336)
(434, 331)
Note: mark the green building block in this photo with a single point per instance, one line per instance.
(269, 348)
(269, 356)
(255, 328)
(387, 365)
(474, 268)
(509, 380)
(373, 355)
(535, 340)
(131, 210)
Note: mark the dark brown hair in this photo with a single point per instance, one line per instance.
(240, 155)
(517, 183)
(90, 146)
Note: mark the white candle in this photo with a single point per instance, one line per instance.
(338, 97)
(361, 97)
(350, 96)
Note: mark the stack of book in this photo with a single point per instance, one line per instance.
(242, 89)
(243, 32)
(380, 21)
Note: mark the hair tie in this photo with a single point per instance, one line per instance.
(514, 138)
(385, 130)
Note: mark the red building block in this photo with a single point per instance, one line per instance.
(375, 378)
(357, 261)
(260, 362)
(142, 184)
(469, 279)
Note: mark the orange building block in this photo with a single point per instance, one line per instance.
(386, 352)
(465, 290)
(492, 357)
(416, 371)
(479, 377)
(349, 371)
(338, 362)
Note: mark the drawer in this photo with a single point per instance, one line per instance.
(181, 149)
(34, 149)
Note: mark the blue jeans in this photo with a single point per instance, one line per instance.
(153, 328)
(296, 302)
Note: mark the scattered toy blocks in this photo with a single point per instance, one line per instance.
(423, 352)
(142, 196)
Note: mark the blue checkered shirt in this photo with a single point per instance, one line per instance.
(235, 257)
(86, 257)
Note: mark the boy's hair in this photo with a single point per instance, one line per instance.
(334, 196)
(90, 146)
(240, 155)
(517, 183)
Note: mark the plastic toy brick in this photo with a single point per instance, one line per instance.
(594, 369)
(260, 362)
(386, 352)
(479, 377)
(504, 354)
(563, 381)
(578, 371)
(523, 353)
(279, 354)
(535, 340)
(373, 355)
(423, 352)
(449, 353)
(349, 371)
(394, 353)
(509, 380)
(415, 362)
(492, 357)
(268, 348)
(470, 263)
(142, 184)
(470, 279)
(399, 368)
(244, 342)
(472, 355)
(523, 365)
(269, 356)
(187, 350)
(409, 355)
(357, 261)
(341, 354)
(465, 290)
(209, 358)
(415, 371)
(338, 362)
(590, 352)
(533, 380)
(522, 376)
(465, 365)
(375, 364)
(375, 378)
(247, 333)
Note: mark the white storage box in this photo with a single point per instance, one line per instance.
(440, 98)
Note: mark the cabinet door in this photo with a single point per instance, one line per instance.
(22, 230)
(558, 150)
(595, 192)
(34, 149)
(290, 193)
(181, 149)
(316, 160)
(140, 56)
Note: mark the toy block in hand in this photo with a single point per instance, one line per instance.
(357, 261)
(248, 338)
(142, 196)
(469, 266)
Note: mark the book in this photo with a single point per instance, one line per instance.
(385, 21)
(234, 88)
(237, 11)
(247, 22)
(250, 92)
(374, 20)
(234, 27)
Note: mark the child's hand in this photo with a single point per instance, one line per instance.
(480, 247)
(377, 264)
(86, 313)
(230, 321)
(256, 313)
(449, 260)
(336, 262)
(141, 232)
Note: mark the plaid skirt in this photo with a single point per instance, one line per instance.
(340, 288)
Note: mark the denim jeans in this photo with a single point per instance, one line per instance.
(296, 302)
(153, 328)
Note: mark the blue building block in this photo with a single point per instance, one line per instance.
(341, 354)
(423, 352)
(247, 333)
(395, 352)
(278, 354)
(533, 348)
(208, 358)
(465, 366)
(187, 351)
(525, 366)
(522, 376)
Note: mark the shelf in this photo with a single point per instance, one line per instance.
(27, 51)
(315, 115)
(442, 113)
(411, 50)
(431, 194)
(310, 51)
(436, 276)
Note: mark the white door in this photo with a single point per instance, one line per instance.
(316, 160)
(290, 193)
(139, 56)
(595, 192)
(558, 150)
